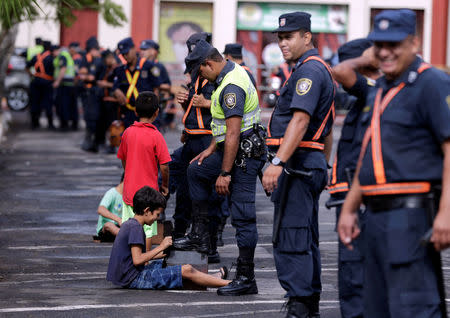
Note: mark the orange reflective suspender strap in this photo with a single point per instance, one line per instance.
(202, 130)
(39, 66)
(374, 133)
(132, 80)
(307, 144)
(245, 67)
(396, 188)
(338, 187)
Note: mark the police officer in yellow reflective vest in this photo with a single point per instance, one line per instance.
(232, 161)
(65, 101)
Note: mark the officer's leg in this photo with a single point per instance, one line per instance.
(411, 278)
(200, 179)
(91, 112)
(47, 102)
(67, 105)
(224, 214)
(35, 110)
(178, 180)
(375, 300)
(350, 276)
(243, 215)
(296, 255)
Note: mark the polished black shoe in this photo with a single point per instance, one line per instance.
(241, 285)
(192, 242)
(213, 257)
(297, 309)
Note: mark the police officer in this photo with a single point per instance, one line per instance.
(131, 78)
(150, 50)
(41, 90)
(302, 117)
(233, 52)
(405, 153)
(196, 137)
(357, 73)
(36, 49)
(235, 115)
(90, 72)
(65, 102)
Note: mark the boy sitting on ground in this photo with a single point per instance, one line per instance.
(143, 150)
(128, 257)
(110, 214)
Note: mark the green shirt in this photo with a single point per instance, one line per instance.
(112, 200)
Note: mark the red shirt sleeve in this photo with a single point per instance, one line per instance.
(161, 150)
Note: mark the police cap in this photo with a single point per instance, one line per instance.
(294, 21)
(393, 25)
(47, 45)
(234, 49)
(74, 44)
(197, 56)
(353, 49)
(92, 43)
(194, 38)
(149, 44)
(125, 45)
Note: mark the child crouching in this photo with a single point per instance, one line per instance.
(128, 257)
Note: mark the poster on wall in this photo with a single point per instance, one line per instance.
(178, 21)
(264, 16)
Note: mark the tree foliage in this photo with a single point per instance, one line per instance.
(16, 11)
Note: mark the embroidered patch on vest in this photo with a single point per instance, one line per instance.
(230, 100)
(303, 86)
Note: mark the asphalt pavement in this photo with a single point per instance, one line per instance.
(51, 267)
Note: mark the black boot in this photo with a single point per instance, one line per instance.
(198, 238)
(89, 142)
(314, 306)
(297, 308)
(244, 282)
(213, 254)
(220, 231)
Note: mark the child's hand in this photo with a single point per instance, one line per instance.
(167, 241)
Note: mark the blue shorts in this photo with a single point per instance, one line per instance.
(154, 276)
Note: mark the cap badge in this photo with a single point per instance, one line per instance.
(192, 47)
(282, 22)
(384, 24)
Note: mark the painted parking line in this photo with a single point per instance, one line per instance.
(169, 304)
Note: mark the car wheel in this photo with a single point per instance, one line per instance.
(18, 98)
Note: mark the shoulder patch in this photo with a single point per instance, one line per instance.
(230, 100)
(366, 109)
(448, 101)
(303, 86)
(155, 71)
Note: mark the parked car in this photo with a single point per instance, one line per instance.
(17, 81)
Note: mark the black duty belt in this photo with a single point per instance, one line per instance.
(381, 203)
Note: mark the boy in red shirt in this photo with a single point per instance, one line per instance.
(142, 150)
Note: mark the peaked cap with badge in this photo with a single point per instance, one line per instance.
(393, 25)
(294, 21)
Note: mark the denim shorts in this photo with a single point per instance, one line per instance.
(154, 276)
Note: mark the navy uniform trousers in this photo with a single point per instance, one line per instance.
(396, 264)
(202, 177)
(181, 158)
(351, 273)
(41, 97)
(297, 255)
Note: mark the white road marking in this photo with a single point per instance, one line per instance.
(170, 304)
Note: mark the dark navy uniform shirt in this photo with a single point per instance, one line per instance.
(146, 81)
(413, 127)
(249, 74)
(160, 71)
(48, 66)
(309, 89)
(355, 124)
(191, 119)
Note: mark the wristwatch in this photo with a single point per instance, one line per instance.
(224, 173)
(277, 162)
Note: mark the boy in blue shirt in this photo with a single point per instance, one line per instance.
(128, 257)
